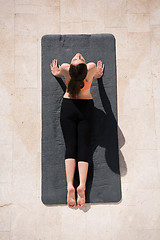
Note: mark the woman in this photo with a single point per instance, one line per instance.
(76, 118)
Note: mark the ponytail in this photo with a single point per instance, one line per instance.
(78, 74)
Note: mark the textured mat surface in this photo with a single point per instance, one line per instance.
(103, 181)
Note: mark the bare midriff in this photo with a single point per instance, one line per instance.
(85, 94)
(82, 95)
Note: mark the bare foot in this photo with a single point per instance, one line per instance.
(81, 196)
(71, 197)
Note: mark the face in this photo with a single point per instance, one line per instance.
(78, 58)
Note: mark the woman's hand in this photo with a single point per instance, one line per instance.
(55, 70)
(100, 68)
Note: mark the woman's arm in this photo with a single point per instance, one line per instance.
(96, 71)
(58, 71)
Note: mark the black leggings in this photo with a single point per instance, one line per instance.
(76, 119)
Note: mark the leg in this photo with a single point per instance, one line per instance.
(70, 135)
(69, 130)
(85, 128)
(70, 161)
(83, 171)
(84, 131)
(70, 164)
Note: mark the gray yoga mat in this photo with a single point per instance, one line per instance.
(103, 181)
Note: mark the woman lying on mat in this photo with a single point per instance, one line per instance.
(76, 119)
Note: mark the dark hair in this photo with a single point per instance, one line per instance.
(78, 74)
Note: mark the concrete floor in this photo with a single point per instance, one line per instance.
(136, 27)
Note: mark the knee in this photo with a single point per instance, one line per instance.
(71, 152)
(84, 160)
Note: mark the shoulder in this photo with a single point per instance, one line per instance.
(91, 65)
(65, 66)
(65, 69)
(91, 70)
